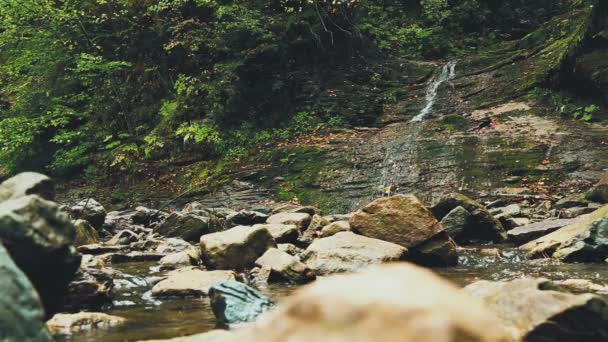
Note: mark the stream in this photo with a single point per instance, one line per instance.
(157, 319)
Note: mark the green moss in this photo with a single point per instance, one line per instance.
(454, 123)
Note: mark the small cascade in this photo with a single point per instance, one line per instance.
(447, 73)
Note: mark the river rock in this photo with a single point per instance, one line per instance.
(234, 303)
(405, 221)
(576, 212)
(523, 234)
(27, 183)
(21, 312)
(282, 233)
(90, 210)
(389, 303)
(235, 248)
(188, 257)
(64, 323)
(334, 228)
(584, 240)
(172, 245)
(40, 240)
(456, 221)
(349, 252)
(289, 248)
(246, 218)
(300, 220)
(535, 310)
(85, 233)
(312, 232)
(599, 193)
(481, 225)
(185, 226)
(90, 289)
(285, 267)
(123, 237)
(572, 201)
(192, 282)
(293, 208)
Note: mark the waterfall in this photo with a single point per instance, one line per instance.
(447, 73)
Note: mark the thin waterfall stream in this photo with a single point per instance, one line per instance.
(448, 72)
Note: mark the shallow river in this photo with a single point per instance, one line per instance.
(154, 319)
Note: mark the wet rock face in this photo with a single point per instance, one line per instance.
(349, 252)
(479, 225)
(90, 210)
(235, 248)
(21, 312)
(235, 303)
(586, 239)
(405, 221)
(27, 183)
(536, 310)
(40, 239)
(389, 303)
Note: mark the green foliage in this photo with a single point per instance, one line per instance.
(564, 105)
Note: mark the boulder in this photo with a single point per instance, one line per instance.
(349, 252)
(123, 237)
(27, 183)
(312, 232)
(185, 226)
(289, 248)
(523, 234)
(456, 221)
(300, 220)
(535, 310)
(572, 201)
(234, 303)
(172, 245)
(335, 228)
(405, 221)
(85, 234)
(184, 258)
(40, 240)
(235, 248)
(285, 267)
(389, 303)
(481, 225)
(599, 193)
(246, 218)
(584, 240)
(91, 289)
(21, 312)
(575, 212)
(282, 233)
(191, 282)
(90, 210)
(64, 323)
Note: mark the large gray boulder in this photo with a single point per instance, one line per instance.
(27, 183)
(190, 282)
(187, 226)
(235, 248)
(537, 310)
(21, 312)
(584, 240)
(40, 240)
(404, 220)
(349, 252)
(90, 210)
(480, 225)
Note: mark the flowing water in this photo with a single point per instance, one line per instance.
(448, 72)
(160, 319)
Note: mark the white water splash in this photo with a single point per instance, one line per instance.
(447, 73)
